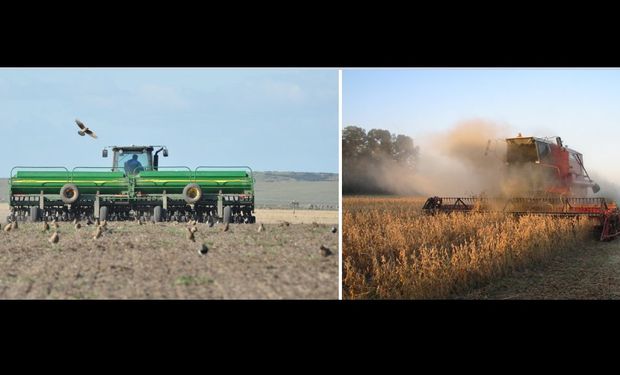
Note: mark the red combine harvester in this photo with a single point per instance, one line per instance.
(551, 180)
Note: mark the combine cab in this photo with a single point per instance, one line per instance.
(135, 186)
(550, 180)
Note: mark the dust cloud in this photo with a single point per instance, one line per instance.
(466, 160)
(609, 189)
(470, 160)
(475, 155)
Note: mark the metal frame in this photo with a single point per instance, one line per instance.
(241, 207)
(595, 208)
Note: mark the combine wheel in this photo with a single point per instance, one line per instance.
(69, 194)
(226, 214)
(34, 214)
(103, 213)
(192, 193)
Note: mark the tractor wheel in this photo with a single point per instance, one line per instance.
(103, 213)
(226, 214)
(34, 214)
(192, 193)
(69, 194)
(157, 214)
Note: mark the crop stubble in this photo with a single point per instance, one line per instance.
(156, 261)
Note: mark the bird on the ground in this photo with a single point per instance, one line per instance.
(334, 229)
(78, 226)
(203, 249)
(54, 238)
(285, 224)
(261, 228)
(193, 229)
(190, 235)
(97, 233)
(84, 130)
(325, 251)
(88, 221)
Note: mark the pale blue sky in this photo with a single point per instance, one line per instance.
(268, 119)
(580, 105)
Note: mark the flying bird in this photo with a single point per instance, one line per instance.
(84, 130)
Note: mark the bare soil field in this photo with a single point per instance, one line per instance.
(157, 261)
(4, 212)
(280, 189)
(275, 216)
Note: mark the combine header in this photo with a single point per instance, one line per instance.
(135, 186)
(552, 179)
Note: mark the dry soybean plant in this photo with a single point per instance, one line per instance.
(393, 251)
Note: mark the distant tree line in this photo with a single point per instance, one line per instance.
(368, 157)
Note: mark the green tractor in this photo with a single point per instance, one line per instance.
(136, 187)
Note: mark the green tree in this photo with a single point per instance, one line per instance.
(354, 143)
(366, 155)
(380, 144)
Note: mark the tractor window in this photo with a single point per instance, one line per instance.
(574, 161)
(521, 150)
(133, 162)
(544, 151)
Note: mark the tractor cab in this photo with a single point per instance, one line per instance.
(134, 159)
(544, 165)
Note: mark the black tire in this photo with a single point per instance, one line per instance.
(192, 193)
(69, 194)
(226, 215)
(103, 213)
(157, 214)
(34, 214)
